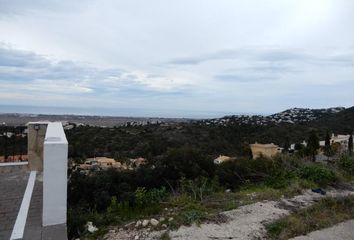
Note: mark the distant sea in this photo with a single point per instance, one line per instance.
(117, 112)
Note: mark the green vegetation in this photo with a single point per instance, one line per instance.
(195, 194)
(326, 213)
(346, 164)
(180, 174)
(350, 145)
(13, 144)
(313, 145)
(317, 173)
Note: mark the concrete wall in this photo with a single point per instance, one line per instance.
(36, 135)
(55, 175)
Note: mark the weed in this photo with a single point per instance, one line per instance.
(165, 236)
(327, 212)
(318, 174)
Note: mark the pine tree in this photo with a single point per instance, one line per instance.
(313, 145)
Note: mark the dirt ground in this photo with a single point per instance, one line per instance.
(244, 223)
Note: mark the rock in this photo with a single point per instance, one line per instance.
(154, 222)
(128, 225)
(138, 224)
(145, 223)
(170, 219)
(162, 219)
(228, 190)
(164, 225)
(136, 237)
(91, 228)
(112, 231)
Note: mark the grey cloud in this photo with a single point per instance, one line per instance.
(13, 58)
(269, 55)
(243, 78)
(22, 67)
(21, 7)
(281, 55)
(220, 55)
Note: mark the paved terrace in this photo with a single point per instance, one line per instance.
(21, 205)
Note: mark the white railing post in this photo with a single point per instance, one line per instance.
(55, 164)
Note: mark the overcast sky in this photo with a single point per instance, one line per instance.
(177, 58)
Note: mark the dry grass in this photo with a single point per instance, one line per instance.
(326, 213)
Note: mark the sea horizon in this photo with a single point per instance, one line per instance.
(113, 112)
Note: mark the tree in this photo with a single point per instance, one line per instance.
(350, 145)
(328, 150)
(313, 145)
(286, 145)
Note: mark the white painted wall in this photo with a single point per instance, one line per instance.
(55, 162)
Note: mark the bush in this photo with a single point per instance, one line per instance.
(153, 196)
(192, 213)
(199, 187)
(346, 163)
(318, 174)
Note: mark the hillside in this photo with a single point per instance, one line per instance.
(291, 116)
(231, 137)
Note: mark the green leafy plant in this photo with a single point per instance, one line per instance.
(318, 174)
(346, 163)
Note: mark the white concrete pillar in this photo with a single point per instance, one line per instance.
(55, 164)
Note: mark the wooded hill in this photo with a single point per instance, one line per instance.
(232, 139)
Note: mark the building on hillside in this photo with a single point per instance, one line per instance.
(91, 161)
(136, 162)
(101, 162)
(341, 140)
(267, 150)
(105, 162)
(221, 159)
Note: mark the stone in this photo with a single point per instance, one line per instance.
(128, 225)
(170, 219)
(228, 190)
(145, 223)
(136, 237)
(154, 222)
(138, 224)
(164, 225)
(91, 228)
(162, 219)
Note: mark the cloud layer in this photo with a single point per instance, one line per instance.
(180, 57)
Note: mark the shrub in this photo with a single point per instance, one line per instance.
(274, 229)
(199, 187)
(153, 196)
(192, 213)
(318, 174)
(346, 163)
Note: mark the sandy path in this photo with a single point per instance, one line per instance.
(341, 231)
